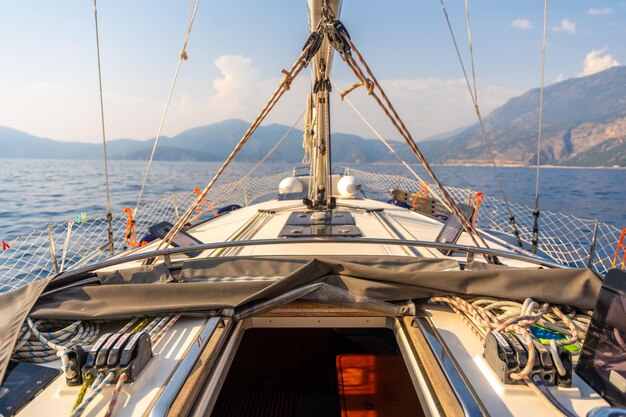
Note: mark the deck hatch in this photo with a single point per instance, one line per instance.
(320, 223)
(320, 230)
(309, 218)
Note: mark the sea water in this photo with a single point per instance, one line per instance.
(36, 192)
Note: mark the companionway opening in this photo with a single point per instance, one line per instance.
(317, 372)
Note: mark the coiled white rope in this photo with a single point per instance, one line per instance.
(486, 314)
(48, 340)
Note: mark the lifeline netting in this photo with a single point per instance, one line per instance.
(565, 239)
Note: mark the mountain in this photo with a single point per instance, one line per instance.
(17, 144)
(207, 143)
(584, 124)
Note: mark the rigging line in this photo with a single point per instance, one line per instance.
(284, 85)
(535, 237)
(394, 118)
(245, 177)
(109, 217)
(474, 97)
(182, 57)
(391, 149)
(471, 47)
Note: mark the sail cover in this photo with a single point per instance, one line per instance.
(215, 284)
(232, 285)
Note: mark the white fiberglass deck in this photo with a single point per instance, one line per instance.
(504, 400)
(265, 221)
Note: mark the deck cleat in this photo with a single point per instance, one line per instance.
(76, 357)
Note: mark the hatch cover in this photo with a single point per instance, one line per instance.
(319, 230)
(307, 218)
(320, 223)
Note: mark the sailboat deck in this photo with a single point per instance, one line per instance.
(374, 219)
(429, 368)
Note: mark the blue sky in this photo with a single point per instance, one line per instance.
(48, 75)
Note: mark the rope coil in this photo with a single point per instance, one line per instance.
(43, 341)
(483, 315)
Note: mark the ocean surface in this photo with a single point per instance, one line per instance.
(36, 192)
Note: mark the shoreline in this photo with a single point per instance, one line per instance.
(382, 163)
(499, 166)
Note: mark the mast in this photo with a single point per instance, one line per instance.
(320, 186)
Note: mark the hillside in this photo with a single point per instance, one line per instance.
(584, 124)
(207, 143)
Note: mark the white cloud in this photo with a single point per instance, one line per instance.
(427, 105)
(523, 24)
(566, 26)
(600, 11)
(598, 60)
(559, 78)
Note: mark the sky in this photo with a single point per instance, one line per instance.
(49, 78)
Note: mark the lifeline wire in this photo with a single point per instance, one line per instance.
(182, 57)
(474, 97)
(109, 217)
(535, 238)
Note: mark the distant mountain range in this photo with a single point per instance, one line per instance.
(584, 125)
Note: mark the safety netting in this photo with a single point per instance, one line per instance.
(60, 247)
(563, 238)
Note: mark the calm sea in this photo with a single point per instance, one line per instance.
(36, 192)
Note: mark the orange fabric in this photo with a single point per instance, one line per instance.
(205, 201)
(423, 192)
(620, 245)
(476, 201)
(131, 237)
(375, 386)
(424, 188)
